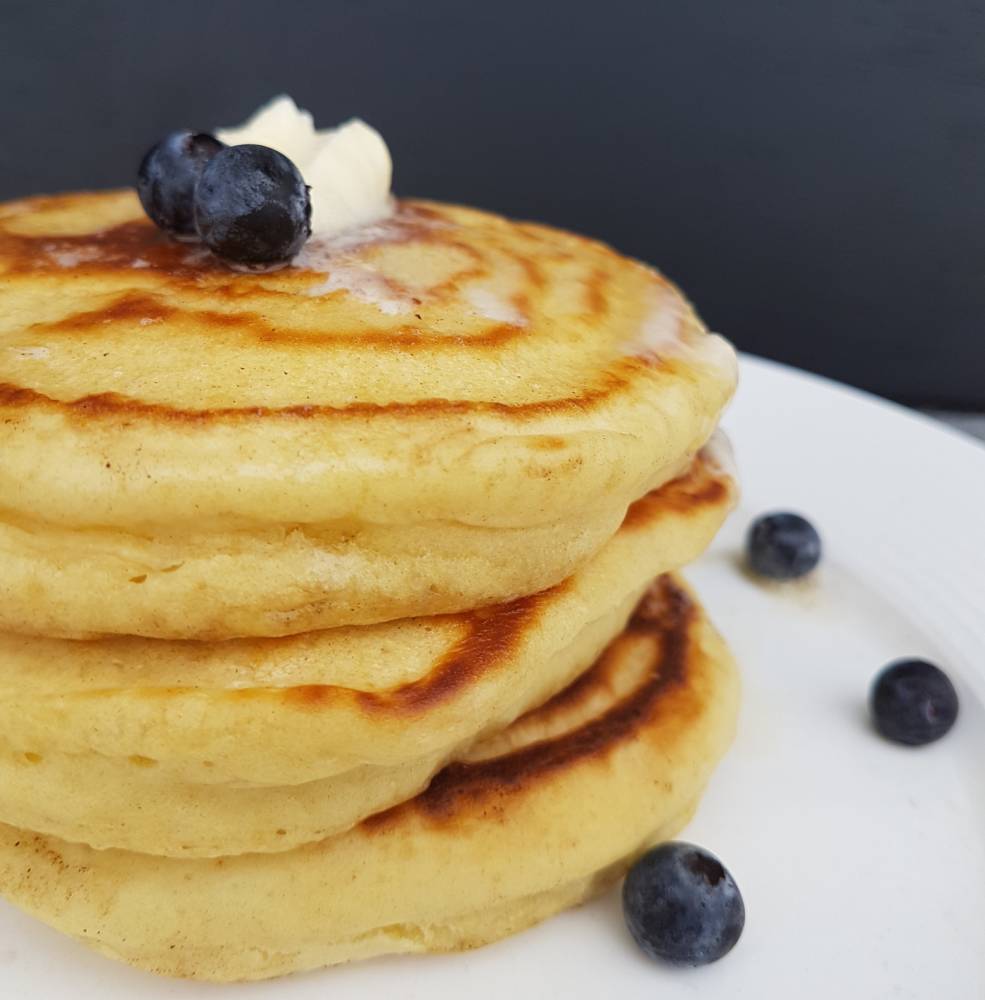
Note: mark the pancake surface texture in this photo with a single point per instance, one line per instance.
(338, 606)
(536, 818)
(192, 749)
(442, 411)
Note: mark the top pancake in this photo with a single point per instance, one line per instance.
(447, 373)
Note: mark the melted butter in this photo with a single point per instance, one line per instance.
(719, 457)
(671, 332)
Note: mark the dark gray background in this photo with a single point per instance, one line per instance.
(813, 173)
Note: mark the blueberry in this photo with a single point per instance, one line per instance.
(252, 207)
(682, 905)
(913, 702)
(167, 177)
(782, 546)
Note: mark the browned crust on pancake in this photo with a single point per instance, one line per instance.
(492, 634)
(136, 306)
(117, 248)
(243, 325)
(665, 615)
(116, 406)
(698, 487)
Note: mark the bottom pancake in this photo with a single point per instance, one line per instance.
(531, 821)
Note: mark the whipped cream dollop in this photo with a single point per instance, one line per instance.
(348, 168)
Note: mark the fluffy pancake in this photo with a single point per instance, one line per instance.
(202, 749)
(436, 413)
(534, 820)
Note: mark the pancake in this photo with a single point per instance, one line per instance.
(538, 818)
(204, 749)
(439, 412)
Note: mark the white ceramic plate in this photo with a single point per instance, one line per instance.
(862, 864)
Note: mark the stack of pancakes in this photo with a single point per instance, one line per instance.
(337, 613)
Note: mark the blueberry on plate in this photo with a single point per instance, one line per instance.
(252, 207)
(782, 546)
(913, 702)
(681, 905)
(167, 177)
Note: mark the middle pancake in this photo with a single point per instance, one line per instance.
(192, 749)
